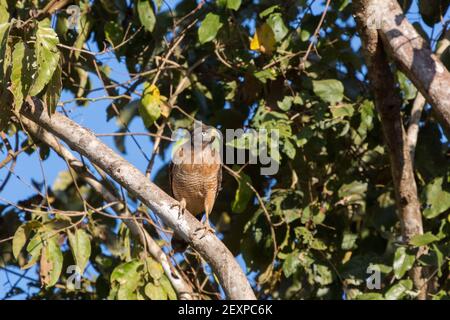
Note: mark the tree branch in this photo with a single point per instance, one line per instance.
(388, 103)
(414, 56)
(183, 289)
(82, 140)
(419, 102)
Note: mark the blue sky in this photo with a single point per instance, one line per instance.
(93, 116)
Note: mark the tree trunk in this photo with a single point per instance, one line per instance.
(388, 103)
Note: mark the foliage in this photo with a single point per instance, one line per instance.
(319, 223)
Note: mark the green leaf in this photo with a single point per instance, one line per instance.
(120, 273)
(4, 14)
(47, 56)
(423, 239)
(155, 292)
(234, 4)
(370, 296)
(154, 268)
(436, 198)
(209, 28)
(4, 33)
(51, 262)
(243, 194)
(408, 89)
(403, 261)
(348, 240)
(399, 290)
(53, 91)
(19, 240)
(286, 104)
(341, 111)
(34, 249)
(5, 65)
(22, 73)
(265, 75)
(165, 283)
(128, 277)
(150, 109)
(80, 244)
(275, 21)
(84, 30)
(289, 148)
(146, 15)
(291, 263)
(331, 91)
(268, 11)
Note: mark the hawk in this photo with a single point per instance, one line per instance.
(195, 175)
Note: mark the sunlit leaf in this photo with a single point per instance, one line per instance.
(165, 283)
(403, 261)
(275, 21)
(146, 15)
(80, 245)
(128, 277)
(398, 291)
(234, 4)
(331, 91)
(51, 262)
(437, 197)
(155, 292)
(47, 56)
(22, 73)
(209, 28)
(154, 268)
(423, 239)
(150, 107)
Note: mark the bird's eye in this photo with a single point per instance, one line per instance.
(203, 133)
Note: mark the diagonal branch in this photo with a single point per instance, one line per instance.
(414, 56)
(388, 103)
(419, 102)
(183, 289)
(82, 140)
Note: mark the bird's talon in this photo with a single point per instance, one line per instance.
(181, 206)
(206, 228)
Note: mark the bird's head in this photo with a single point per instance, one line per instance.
(202, 135)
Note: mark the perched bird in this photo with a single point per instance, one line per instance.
(195, 175)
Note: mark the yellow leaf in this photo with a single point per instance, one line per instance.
(151, 102)
(347, 257)
(263, 40)
(153, 91)
(254, 43)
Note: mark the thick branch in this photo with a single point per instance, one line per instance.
(388, 103)
(82, 140)
(183, 289)
(414, 56)
(419, 102)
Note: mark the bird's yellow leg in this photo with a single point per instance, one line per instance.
(206, 225)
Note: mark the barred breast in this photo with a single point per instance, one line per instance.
(195, 183)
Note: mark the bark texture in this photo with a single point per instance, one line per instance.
(82, 140)
(388, 103)
(414, 56)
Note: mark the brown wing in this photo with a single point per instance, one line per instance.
(219, 181)
(171, 178)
